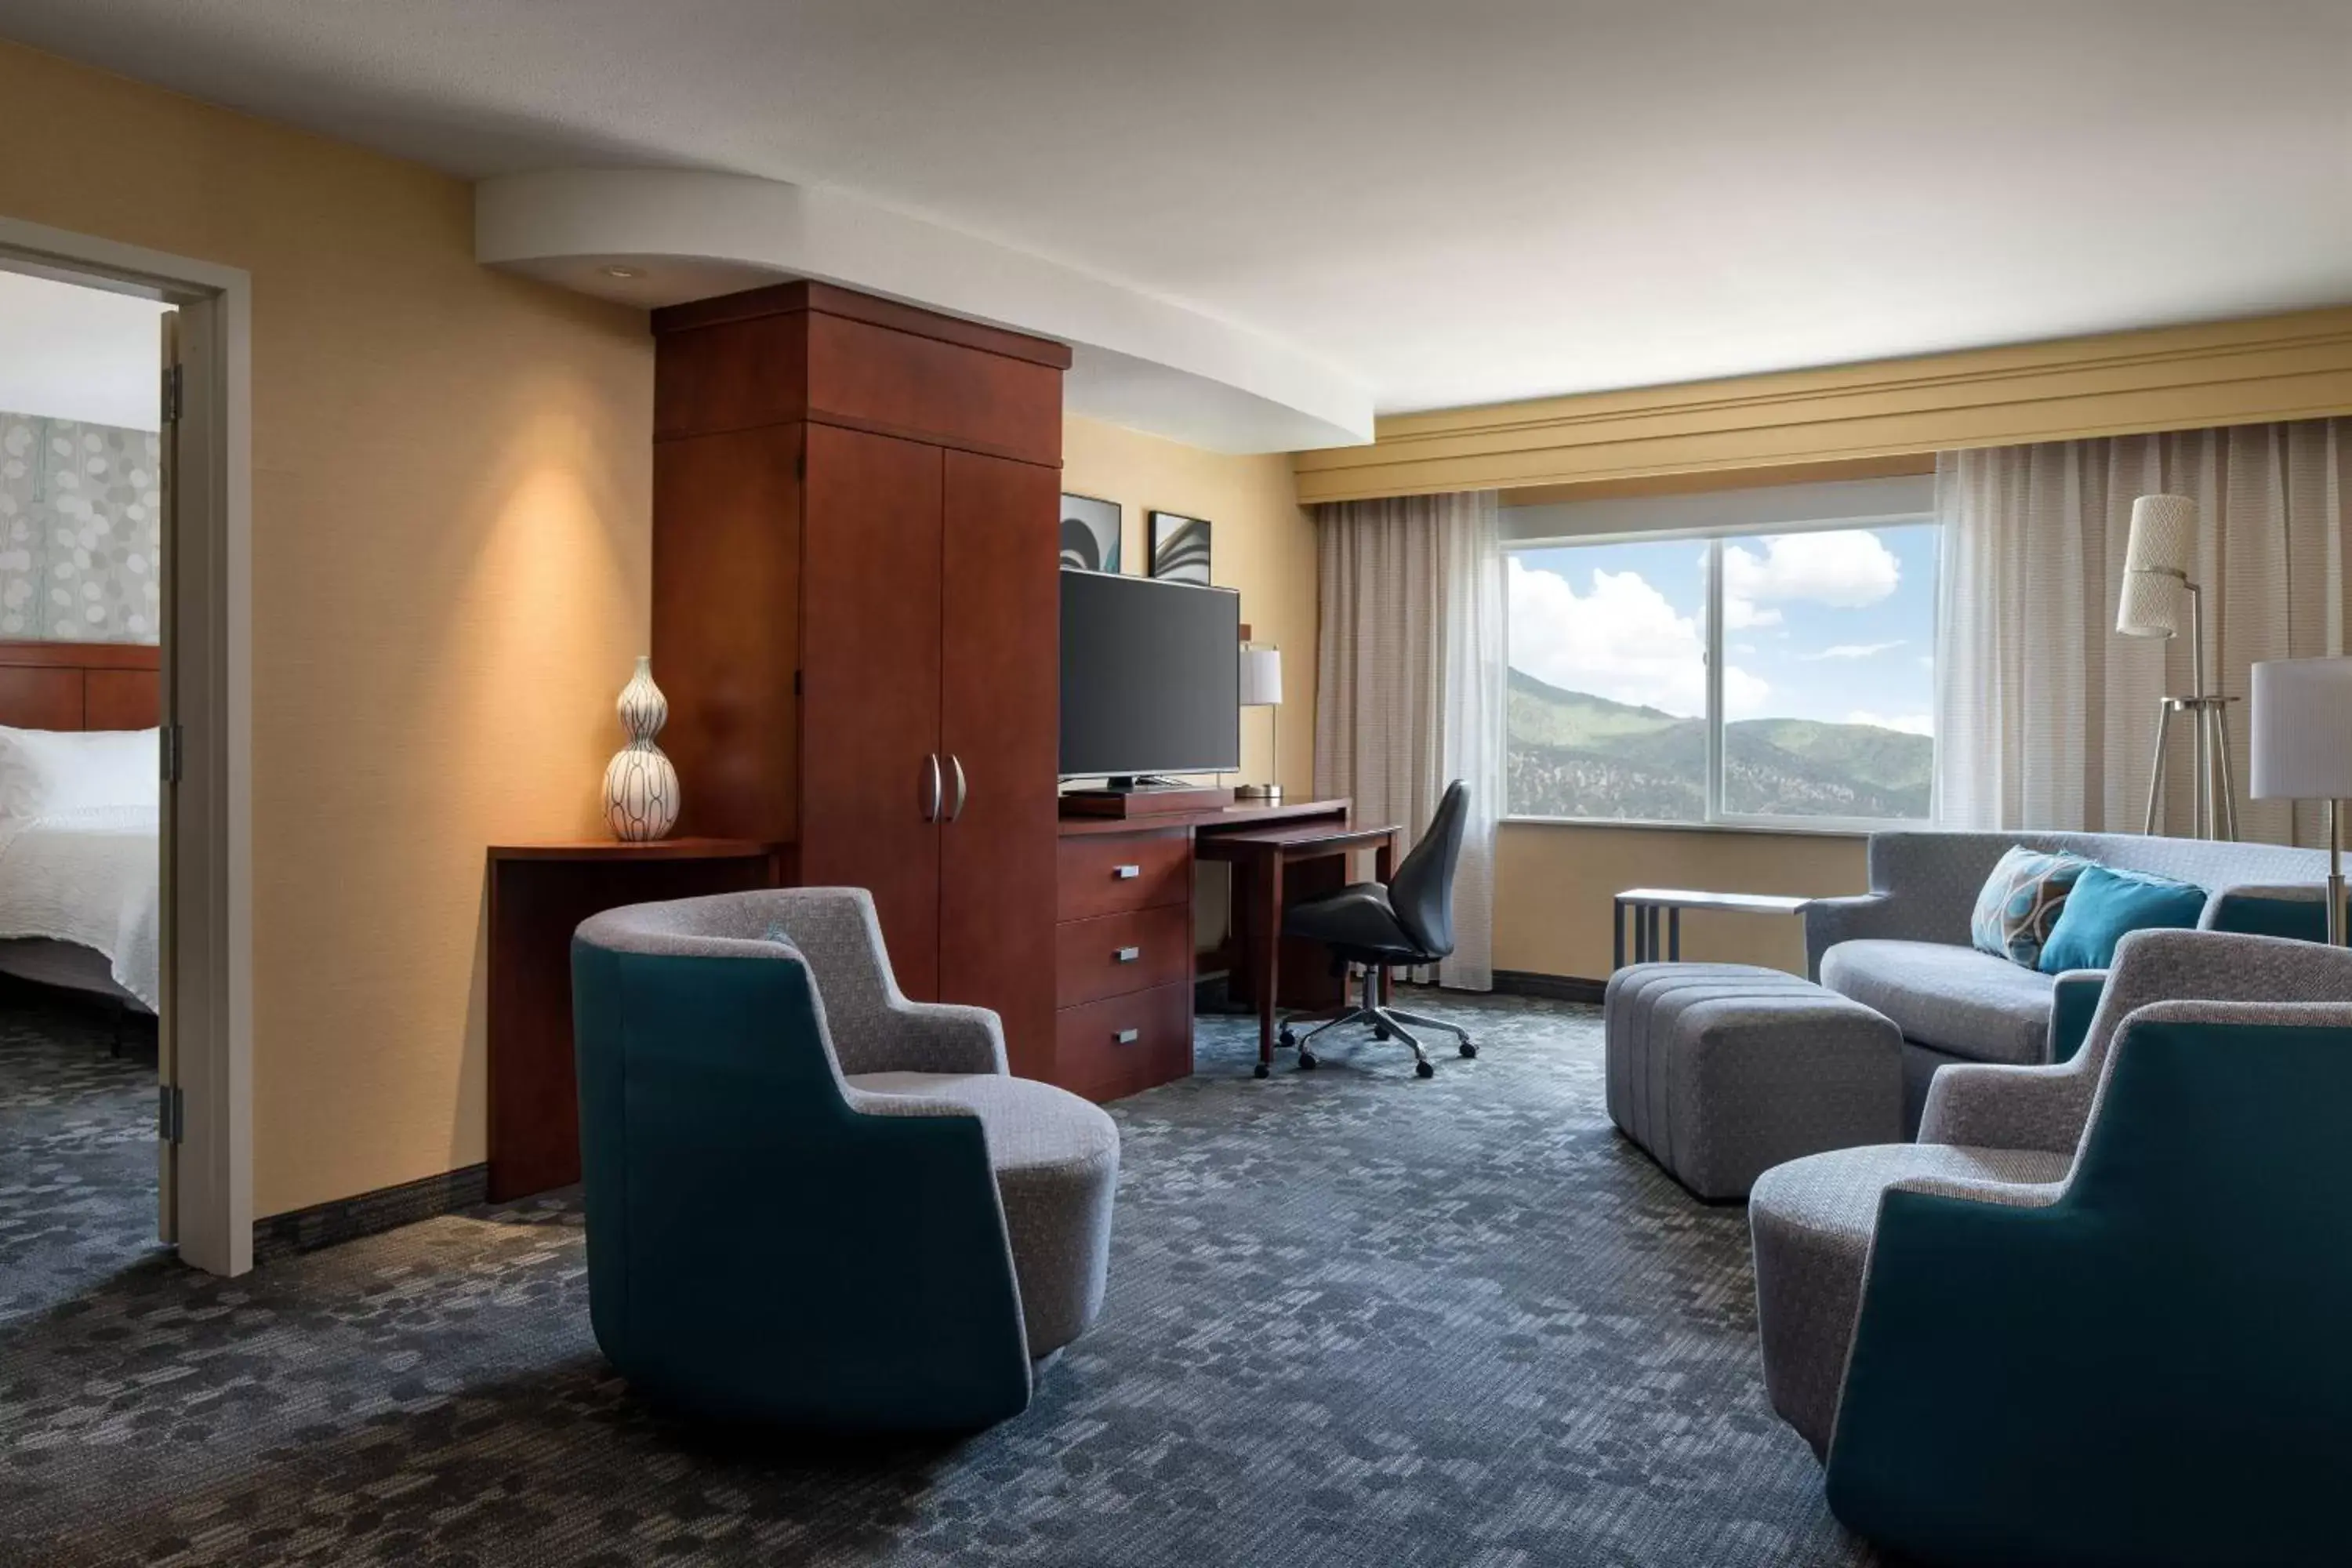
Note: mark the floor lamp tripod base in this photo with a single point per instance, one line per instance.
(2216, 810)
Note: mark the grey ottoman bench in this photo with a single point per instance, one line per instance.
(1724, 1070)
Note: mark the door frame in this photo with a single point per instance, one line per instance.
(209, 672)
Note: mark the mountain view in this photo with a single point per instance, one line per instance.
(1575, 755)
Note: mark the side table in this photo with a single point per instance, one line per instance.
(538, 894)
(1647, 902)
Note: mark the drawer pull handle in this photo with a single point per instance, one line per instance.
(1127, 955)
(1126, 873)
(1126, 1036)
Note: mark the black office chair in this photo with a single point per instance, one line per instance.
(1409, 922)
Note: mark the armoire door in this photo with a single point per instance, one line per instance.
(1001, 731)
(870, 650)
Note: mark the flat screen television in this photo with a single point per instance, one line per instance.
(1151, 677)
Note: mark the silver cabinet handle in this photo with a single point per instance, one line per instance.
(931, 806)
(1125, 1037)
(957, 810)
(1127, 955)
(1126, 873)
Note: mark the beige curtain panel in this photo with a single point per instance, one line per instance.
(1409, 682)
(2045, 716)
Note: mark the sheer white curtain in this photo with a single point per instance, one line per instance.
(1409, 682)
(2044, 718)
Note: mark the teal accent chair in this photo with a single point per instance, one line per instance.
(2097, 1315)
(2292, 909)
(811, 1202)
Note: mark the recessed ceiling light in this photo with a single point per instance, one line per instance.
(617, 270)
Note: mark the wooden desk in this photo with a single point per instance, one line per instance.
(1266, 851)
(539, 895)
(1124, 964)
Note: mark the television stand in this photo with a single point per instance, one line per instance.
(1143, 797)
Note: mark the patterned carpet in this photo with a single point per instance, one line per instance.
(1353, 1318)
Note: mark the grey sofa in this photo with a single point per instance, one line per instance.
(1902, 947)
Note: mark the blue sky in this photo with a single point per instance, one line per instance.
(1838, 626)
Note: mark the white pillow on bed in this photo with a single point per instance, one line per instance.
(43, 771)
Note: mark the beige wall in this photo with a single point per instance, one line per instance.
(1261, 542)
(1553, 882)
(450, 541)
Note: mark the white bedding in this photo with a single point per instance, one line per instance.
(89, 876)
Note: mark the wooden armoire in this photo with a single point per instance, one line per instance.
(856, 619)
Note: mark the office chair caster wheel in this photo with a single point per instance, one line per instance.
(1382, 1032)
(1424, 1070)
(1307, 1060)
(1287, 1037)
(1261, 1071)
(1469, 1050)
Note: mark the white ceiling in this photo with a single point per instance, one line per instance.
(70, 352)
(1453, 201)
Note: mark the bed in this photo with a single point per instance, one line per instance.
(79, 857)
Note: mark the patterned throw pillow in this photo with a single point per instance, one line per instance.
(2020, 903)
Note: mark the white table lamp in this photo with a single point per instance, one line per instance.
(1262, 688)
(2302, 750)
(2156, 573)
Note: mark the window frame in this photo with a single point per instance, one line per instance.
(1717, 819)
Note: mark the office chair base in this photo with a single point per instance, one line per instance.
(1387, 1024)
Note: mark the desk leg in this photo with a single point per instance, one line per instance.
(1617, 934)
(1675, 933)
(1269, 961)
(1383, 872)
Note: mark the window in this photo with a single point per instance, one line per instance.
(1824, 642)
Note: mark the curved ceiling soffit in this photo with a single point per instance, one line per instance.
(1138, 361)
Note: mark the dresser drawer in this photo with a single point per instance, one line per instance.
(1123, 1044)
(1104, 873)
(1113, 954)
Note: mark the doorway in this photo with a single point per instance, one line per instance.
(84, 1185)
(124, 1040)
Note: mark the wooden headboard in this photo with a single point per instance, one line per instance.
(79, 685)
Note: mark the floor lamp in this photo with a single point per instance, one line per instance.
(2302, 750)
(2156, 573)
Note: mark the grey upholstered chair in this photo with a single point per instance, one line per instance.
(2089, 1306)
(810, 1200)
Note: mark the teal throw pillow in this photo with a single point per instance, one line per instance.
(2107, 905)
(2021, 901)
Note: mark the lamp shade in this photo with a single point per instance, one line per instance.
(2163, 534)
(1261, 678)
(2155, 563)
(2149, 605)
(2303, 728)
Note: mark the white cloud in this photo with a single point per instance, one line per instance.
(1854, 650)
(1845, 568)
(1909, 723)
(1622, 641)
